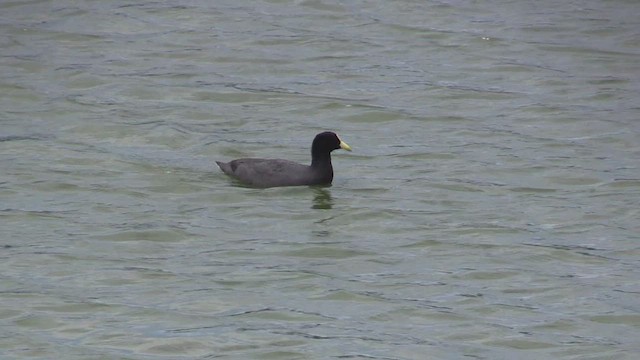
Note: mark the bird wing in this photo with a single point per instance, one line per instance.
(266, 172)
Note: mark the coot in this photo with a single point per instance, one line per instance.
(266, 173)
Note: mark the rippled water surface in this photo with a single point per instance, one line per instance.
(489, 209)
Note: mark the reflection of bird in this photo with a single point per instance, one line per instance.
(278, 172)
(322, 199)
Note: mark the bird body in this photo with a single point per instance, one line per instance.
(266, 173)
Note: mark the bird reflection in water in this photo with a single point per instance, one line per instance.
(322, 199)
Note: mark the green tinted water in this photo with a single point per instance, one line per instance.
(488, 210)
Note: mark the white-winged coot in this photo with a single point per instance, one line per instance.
(266, 173)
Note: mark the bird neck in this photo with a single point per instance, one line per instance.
(321, 160)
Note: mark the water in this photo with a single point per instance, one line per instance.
(489, 209)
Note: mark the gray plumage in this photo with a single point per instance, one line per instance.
(266, 173)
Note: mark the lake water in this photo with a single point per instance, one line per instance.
(489, 210)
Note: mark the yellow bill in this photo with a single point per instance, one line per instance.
(345, 146)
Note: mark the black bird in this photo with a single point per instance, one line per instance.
(266, 173)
